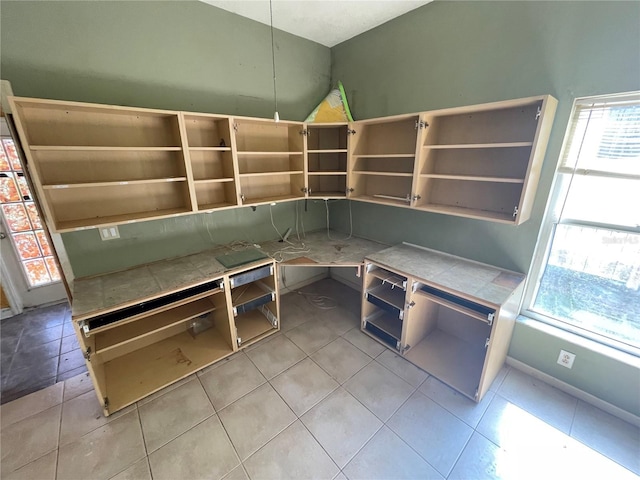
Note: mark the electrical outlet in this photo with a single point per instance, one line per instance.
(109, 233)
(566, 359)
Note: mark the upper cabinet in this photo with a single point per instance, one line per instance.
(270, 157)
(382, 158)
(484, 161)
(98, 164)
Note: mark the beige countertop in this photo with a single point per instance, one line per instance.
(486, 283)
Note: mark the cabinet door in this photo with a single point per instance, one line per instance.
(448, 336)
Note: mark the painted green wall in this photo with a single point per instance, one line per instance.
(180, 55)
(448, 54)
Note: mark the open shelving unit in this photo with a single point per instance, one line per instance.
(210, 153)
(327, 147)
(382, 159)
(96, 164)
(484, 162)
(270, 160)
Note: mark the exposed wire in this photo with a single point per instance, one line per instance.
(274, 225)
(323, 302)
(273, 59)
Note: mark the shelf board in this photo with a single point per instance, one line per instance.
(132, 331)
(264, 154)
(387, 323)
(214, 206)
(247, 293)
(142, 372)
(471, 178)
(88, 148)
(393, 296)
(329, 150)
(384, 199)
(468, 212)
(83, 224)
(389, 278)
(251, 325)
(327, 194)
(277, 198)
(210, 149)
(442, 354)
(327, 173)
(479, 145)
(266, 174)
(383, 174)
(212, 180)
(114, 184)
(386, 155)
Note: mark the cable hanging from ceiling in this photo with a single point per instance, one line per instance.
(276, 116)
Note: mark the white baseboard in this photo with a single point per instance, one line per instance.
(576, 392)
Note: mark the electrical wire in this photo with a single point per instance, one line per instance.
(323, 302)
(274, 225)
(273, 60)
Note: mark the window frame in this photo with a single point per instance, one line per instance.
(559, 190)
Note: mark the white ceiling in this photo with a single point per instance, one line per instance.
(327, 22)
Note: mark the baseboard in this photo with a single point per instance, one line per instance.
(576, 392)
(6, 313)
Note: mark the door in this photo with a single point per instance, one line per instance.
(28, 272)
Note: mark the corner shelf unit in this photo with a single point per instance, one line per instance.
(139, 347)
(456, 330)
(327, 148)
(95, 165)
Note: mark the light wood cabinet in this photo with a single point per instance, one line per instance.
(97, 164)
(449, 316)
(327, 148)
(140, 345)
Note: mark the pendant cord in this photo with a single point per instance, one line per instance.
(273, 57)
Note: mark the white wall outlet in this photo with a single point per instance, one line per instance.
(109, 233)
(566, 359)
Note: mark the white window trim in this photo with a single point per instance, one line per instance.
(559, 189)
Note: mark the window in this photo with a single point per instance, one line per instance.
(23, 221)
(588, 258)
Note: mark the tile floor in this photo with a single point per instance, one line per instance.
(317, 400)
(38, 348)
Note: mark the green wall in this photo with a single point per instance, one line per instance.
(447, 54)
(180, 55)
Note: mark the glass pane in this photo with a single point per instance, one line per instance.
(16, 217)
(24, 187)
(27, 245)
(37, 272)
(44, 244)
(603, 200)
(10, 148)
(4, 162)
(33, 215)
(8, 189)
(592, 281)
(53, 269)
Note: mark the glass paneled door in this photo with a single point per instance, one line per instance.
(26, 252)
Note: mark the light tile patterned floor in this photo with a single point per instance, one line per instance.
(310, 402)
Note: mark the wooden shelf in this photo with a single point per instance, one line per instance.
(386, 155)
(209, 149)
(112, 184)
(382, 199)
(468, 212)
(471, 178)
(246, 293)
(393, 296)
(215, 206)
(135, 375)
(453, 306)
(479, 145)
(268, 154)
(384, 174)
(327, 173)
(132, 331)
(264, 174)
(275, 198)
(252, 325)
(93, 148)
(213, 180)
(82, 224)
(329, 150)
(327, 194)
(443, 355)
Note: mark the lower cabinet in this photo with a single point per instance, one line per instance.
(136, 350)
(451, 334)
